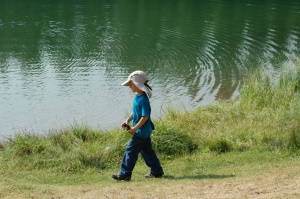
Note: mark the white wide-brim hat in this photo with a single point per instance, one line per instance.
(140, 79)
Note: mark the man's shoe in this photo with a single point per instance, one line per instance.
(121, 177)
(152, 175)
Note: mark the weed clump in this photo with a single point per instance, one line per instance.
(294, 140)
(25, 145)
(220, 146)
(1, 146)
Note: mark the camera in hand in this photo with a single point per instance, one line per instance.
(127, 127)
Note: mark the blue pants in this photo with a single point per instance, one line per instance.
(135, 146)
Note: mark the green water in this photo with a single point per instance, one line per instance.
(62, 62)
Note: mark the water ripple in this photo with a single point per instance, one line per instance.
(67, 60)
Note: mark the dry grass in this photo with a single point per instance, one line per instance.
(283, 182)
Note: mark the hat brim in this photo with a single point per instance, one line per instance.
(126, 83)
(140, 86)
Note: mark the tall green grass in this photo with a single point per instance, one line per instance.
(265, 117)
(82, 148)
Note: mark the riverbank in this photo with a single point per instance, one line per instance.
(236, 148)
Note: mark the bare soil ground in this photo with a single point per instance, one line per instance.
(273, 184)
(277, 184)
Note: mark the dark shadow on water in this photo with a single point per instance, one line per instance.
(207, 176)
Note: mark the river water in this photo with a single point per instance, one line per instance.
(62, 62)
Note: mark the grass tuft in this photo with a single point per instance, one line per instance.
(220, 146)
(294, 141)
(1, 146)
(169, 141)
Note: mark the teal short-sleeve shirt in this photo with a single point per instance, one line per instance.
(141, 107)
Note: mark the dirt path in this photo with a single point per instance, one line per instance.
(276, 184)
